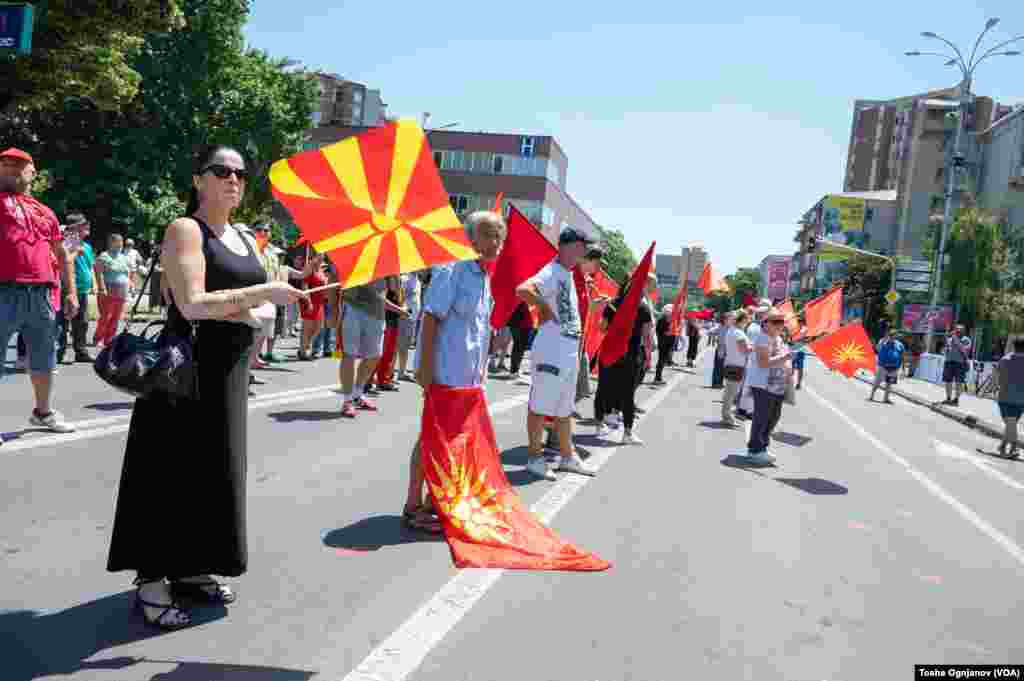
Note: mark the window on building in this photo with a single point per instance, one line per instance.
(939, 173)
(497, 164)
(526, 146)
(547, 215)
(439, 160)
(457, 160)
(460, 203)
(357, 96)
(315, 117)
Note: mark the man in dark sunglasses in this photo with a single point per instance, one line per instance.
(223, 172)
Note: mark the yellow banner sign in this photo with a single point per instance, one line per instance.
(843, 214)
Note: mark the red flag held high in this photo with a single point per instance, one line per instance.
(711, 281)
(678, 308)
(823, 315)
(485, 522)
(526, 251)
(792, 323)
(621, 329)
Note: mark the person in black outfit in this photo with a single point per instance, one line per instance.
(197, 447)
(616, 388)
(692, 341)
(521, 325)
(666, 343)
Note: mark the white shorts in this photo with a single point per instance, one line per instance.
(553, 392)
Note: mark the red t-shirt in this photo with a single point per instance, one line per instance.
(317, 301)
(27, 228)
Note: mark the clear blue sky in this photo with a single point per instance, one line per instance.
(707, 123)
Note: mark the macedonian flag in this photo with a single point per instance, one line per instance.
(484, 520)
(374, 203)
(846, 350)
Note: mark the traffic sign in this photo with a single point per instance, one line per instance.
(913, 266)
(892, 297)
(16, 27)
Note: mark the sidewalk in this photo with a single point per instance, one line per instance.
(974, 412)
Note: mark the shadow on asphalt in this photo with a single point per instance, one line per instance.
(201, 671)
(373, 534)
(718, 425)
(293, 416)
(37, 644)
(110, 406)
(816, 486)
(791, 439)
(274, 369)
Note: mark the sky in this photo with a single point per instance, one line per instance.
(716, 125)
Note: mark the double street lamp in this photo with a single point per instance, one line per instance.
(967, 67)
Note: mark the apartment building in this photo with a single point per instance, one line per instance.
(774, 270)
(1001, 180)
(346, 103)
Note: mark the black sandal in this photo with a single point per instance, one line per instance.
(421, 520)
(208, 591)
(182, 619)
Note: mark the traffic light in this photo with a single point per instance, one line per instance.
(812, 243)
(16, 23)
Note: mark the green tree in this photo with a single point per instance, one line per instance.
(619, 260)
(974, 245)
(867, 282)
(84, 49)
(745, 280)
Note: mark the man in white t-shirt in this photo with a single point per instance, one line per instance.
(555, 355)
(735, 348)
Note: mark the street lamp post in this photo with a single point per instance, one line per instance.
(967, 67)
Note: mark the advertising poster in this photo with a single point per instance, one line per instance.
(843, 220)
(915, 318)
(778, 279)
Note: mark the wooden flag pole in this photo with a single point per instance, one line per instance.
(328, 287)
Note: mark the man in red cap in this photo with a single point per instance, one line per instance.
(29, 239)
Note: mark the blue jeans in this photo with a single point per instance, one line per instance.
(325, 340)
(27, 308)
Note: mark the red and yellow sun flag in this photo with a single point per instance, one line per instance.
(824, 314)
(374, 203)
(485, 522)
(846, 350)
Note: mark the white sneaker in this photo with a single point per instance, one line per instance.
(574, 464)
(602, 430)
(54, 422)
(764, 457)
(631, 439)
(539, 467)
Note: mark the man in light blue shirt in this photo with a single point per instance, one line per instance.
(454, 338)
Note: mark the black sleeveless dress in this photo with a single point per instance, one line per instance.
(181, 503)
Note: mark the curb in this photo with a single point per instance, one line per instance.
(972, 422)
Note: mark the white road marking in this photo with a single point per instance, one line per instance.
(406, 648)
(933, 487)
(991, 471)
(97, 428)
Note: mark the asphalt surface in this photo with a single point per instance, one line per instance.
(881, 539)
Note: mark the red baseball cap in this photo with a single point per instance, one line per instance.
(17, 153)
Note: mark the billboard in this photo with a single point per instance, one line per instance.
(778, 279)
(915, 318)
(843, 220)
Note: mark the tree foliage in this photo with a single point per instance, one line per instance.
(743, 281)
(130, 169)
(84, 49)
(974, 247)
(619, 260)
(867, 281)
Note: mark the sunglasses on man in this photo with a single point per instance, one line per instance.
(223, 172)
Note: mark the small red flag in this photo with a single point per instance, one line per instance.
(846, 350)
(593, 334)
(711, 281)
(616, 342)
(823, 315)
(525, 253)
(484, 521)
(678, 308)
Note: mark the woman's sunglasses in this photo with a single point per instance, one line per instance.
(223, 172)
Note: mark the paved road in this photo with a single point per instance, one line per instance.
(882, 539)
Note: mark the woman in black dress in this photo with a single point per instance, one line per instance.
(196, 448)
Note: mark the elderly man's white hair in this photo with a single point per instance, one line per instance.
(480, 217)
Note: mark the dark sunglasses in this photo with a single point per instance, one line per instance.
(223, 172)
(776, 321)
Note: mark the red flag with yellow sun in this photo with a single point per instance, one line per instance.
(484, 520)
(374, 203)
(846, 350)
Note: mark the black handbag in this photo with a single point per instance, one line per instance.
(143, 364)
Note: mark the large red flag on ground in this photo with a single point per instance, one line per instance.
(485, 522)
(711, 280)
(846, 350)
(525, 253)
(616, 342)
(792, 323)
(823, 315)
(678, 308)
(374, 203)
(602, 286)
